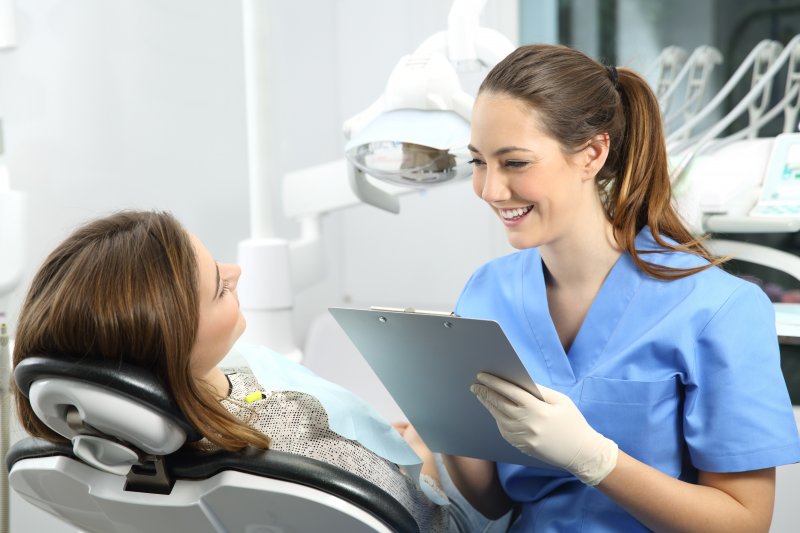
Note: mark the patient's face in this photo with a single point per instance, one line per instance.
(221, 321)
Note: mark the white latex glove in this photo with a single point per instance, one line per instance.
(553, 431)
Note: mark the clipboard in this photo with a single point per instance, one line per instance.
(427, 361)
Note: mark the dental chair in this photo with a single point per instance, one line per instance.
(125, 468)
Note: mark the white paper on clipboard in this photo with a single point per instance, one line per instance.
(427, 362)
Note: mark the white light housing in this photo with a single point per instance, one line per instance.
(416, 134)
(413, 147)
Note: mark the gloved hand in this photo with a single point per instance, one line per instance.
(553, 431)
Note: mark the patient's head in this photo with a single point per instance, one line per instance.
(136, 286)
(121, 287)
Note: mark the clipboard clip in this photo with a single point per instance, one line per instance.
(412, 310)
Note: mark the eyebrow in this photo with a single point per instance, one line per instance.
(501, 151)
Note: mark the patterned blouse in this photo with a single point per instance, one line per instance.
(297, 423)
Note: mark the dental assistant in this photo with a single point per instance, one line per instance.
(665, 406)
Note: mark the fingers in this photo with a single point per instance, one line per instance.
(497, 405)
(401, 427)
(552, 396)
(514, 393)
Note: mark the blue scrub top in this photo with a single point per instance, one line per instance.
(683, 375)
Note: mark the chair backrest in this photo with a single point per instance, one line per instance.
(124, 466)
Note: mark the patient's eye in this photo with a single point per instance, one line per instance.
(225, 287)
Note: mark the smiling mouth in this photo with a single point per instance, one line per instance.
(513, 214)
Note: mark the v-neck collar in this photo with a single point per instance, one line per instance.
(600, 322)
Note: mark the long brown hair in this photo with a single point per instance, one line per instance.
(125, 287)
(577, 98)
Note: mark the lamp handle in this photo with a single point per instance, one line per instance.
(369, 193)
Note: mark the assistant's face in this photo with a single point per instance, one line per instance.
(221, 321)
(534, 187)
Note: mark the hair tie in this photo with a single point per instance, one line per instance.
(612, 73)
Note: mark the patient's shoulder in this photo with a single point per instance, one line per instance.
(265, 409)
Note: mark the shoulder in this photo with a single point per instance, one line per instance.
(243, 385)
(503, 268)
(712, 288)
(652, 251)
(501, 278)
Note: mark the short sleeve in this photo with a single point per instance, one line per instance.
(737, 412)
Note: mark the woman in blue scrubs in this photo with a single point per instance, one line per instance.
(664, 404)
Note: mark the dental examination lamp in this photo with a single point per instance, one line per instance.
(414, 135)
(417, 132)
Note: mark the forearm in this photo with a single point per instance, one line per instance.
(478, 482)
(429, 465)
(666, 504)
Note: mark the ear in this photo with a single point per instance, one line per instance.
(595, 155)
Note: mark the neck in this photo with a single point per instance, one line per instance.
(218, 382)
(583, 257)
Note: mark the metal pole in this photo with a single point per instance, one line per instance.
(5, 423)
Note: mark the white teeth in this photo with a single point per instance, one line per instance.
(508, 214)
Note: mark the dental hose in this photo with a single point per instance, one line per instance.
(5, 420)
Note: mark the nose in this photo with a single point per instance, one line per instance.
(493, 187)
(231, 272)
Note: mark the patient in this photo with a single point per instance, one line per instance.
(135, 286)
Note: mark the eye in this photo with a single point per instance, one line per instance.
(225, 287)
(476, 162)
(516, 163)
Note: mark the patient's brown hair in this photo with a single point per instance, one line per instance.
(125, 287)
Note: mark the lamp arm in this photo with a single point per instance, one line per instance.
(493, 46)
(462, 104)
(435, 44)
(306, 261)
(490, 47)
(463, 24)
(324, 188)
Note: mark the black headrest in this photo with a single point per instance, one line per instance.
(130, 380)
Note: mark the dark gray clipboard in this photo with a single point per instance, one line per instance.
(427, 362)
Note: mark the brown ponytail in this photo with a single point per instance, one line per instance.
(577, 98)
